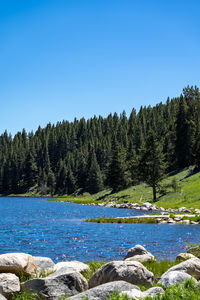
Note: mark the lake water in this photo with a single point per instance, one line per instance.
(58, 230)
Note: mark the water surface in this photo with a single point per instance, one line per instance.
(58, 230)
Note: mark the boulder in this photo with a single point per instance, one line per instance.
(173, 277)
(152, 292)
(54, 287)
(131, 271)
(195, 251)
(190, 266)
(44, 264)
(135, 294)
(2, 297)
(77, 266)
(104, 291)
(9, 283)
(146, 205)
(184, 256)
(17, 263)
(138, 253)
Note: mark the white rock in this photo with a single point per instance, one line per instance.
(190, 266)
(18, 263)
(75, 265)
(9, 283)
(45, 264)
(173, 277)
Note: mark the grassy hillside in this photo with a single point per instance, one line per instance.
(180, 189)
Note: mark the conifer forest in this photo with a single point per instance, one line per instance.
(113, 152)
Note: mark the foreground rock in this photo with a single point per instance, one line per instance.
(184, 256)
(105, 290)
(190, 266)
(17, 263)
(138, 253)
(195, 251)
(152, 292)
(53, 287)
(131, 271)
(9, 283)
(77, 266)
(2, 297)
(173, 278)
(44, 264)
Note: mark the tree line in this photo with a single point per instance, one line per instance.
(115, 152)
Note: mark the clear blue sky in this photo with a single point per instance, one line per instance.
(61, 59)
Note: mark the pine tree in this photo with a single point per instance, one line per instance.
(118, 176)
(151, 165)
(183, 144)
(94, 182)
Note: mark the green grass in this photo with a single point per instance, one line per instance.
(150, 220)
(25, 295)
(187, 193)
(159, 267)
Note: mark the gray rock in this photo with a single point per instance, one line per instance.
(103, 291)
(195, 251)
(138, 253)
(184, 256)
(17, 263)
(153, 291)
(54, 287)
(135, 294)
(173, 277)
(190, 266)
(9, 283)
(131, 271)
(146, 205)
(77, 266)
(44, 264)
(2, 297)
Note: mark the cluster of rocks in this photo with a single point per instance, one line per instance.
(66, 279)
(147, 206)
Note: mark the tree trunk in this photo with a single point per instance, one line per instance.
(154, 193)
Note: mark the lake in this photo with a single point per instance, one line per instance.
(58, 230)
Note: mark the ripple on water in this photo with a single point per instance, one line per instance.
(57, 230)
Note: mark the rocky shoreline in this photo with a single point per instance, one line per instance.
(147, 206)
(65, 279)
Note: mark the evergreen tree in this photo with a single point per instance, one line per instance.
(118, 176)
(151, 166)
(94, 182)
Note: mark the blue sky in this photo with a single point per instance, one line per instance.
(61, 59)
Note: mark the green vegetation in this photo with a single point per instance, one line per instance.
(128, 220)
(189, 290)
(25, 295)
(181, 189)
(159, 267)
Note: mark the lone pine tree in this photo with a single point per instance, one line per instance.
(151, 166)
